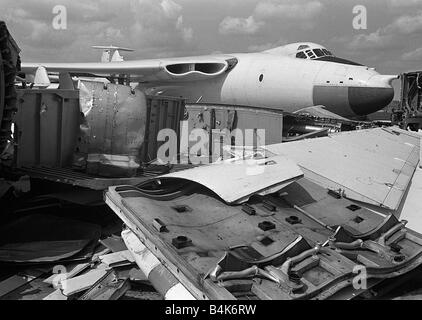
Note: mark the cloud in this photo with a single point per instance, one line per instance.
(415, 55)
(171, 9)
(267, 46)
(187, 32)
(151, 27)
(271, 10)
(376, 40)
(404, 3)
(231, 25)
(288, 10)
(406, 24)
(158, 24)
(389, 36)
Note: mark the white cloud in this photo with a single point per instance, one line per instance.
(151, 27)
(389, 36)
(231, 25)
(288, 10)
(415, 55)
(171, 9)
(159, 23)
(187, 32)
(374, 40)
(265, 11)
(406, 24)
(404, 3)
(267, 46)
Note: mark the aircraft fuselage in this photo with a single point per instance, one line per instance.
(290, 84)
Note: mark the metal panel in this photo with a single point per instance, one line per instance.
(214, 116)
(78, 179)
(236, 180)
(373, 166)
(230, 232)
(412, 206)
(162, 113)
(47, 124)
(115, 118)
(118, 121)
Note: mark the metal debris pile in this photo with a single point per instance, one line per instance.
(46, 257)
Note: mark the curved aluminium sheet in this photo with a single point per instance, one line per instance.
(236, 181)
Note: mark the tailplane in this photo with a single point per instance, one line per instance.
(111, 53)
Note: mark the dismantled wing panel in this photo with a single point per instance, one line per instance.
(181, 69)
(236, 181)
(305, 246)
(373, 166)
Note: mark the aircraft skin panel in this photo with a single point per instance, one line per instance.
(412, 207)
(247, 177)
(367, 100)
(328, 95)
(266, 80)
(278, 82)
(373, 166)
(404, 178)
(287, 85)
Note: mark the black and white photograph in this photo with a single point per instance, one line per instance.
(199, 157)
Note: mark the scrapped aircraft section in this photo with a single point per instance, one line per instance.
(300, 242)
(93, 137)
(373, 166)
(9, 66)
(247, 177)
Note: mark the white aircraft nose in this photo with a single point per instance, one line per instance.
(374, 93)
(377, 94)
(382, 80)
(367, 100)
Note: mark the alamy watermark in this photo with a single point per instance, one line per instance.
(200, 146)
(360, 20)
(60, 17)
(360, 281)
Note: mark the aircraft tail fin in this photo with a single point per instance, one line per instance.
(111, 53)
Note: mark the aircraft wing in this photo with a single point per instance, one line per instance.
(373, 166)
(180, 69)
(320, 112)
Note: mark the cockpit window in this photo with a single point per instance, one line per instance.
(301, 55)
(303, 46)
(310, 54)
(319, 53)
(313, 54)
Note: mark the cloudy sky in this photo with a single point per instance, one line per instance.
(392, 41)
